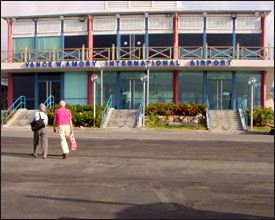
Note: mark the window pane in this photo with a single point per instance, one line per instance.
(191, 87)
(160, 40)
(161, 87)
(190, 40)
(76, 41)
(219, 39)
(244, 89)
(104, 40)
(249, 39)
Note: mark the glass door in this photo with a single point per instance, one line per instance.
(131, 46)
(47, 88)
(219, 94)
(131, 93)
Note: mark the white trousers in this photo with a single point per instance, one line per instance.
(64, 133)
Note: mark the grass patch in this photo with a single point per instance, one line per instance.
(260, 128)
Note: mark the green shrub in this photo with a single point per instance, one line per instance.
(81, 115)
(261, 115)
(176, 109)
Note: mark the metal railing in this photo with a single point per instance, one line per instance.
(139, 53)
(21, 101)
(110, 104)
(49, 101)
(139, 112)
(208, 112)
(243, 113)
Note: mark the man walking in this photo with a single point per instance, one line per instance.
(63, 121)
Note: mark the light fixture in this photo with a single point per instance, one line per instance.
(204, 14)
(13, 20)
(143, 77)
(146, 15)
(94, 78)
(257, 14)
(117, 15)
(81, 19)
(251, 81)
(234, 16)
(61, 18)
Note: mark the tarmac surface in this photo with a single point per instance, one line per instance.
(137, 174)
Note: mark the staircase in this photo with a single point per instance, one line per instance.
(225, 120)
(123, 118)
(21, 118)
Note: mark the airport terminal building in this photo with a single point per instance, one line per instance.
(189, 55)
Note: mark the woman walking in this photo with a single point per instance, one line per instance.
(40, 135)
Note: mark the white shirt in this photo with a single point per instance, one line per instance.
(43, 116)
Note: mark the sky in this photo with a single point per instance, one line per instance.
(17, 8)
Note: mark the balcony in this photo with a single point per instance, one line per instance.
(138, 53)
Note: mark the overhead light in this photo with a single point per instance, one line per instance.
(168, 15)
(35, 19)
(117, 15)
(257, 14)
(204, 14)
(13, 20)
(81, 19)
(61, 18)
(146, 15)
(234, 16)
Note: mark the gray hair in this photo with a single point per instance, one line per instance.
(62, 103)
(42, 107)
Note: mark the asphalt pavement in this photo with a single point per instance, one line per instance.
(137, 174)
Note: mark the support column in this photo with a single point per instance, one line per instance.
(118, 94)
(90, 88)
(146, 38)
(263, 88)
(204, 37)
(234, 99)
(10, 96)
(234, 38)
(90, 57)
(263, 35)
(118, 42)
(176, 56)
(204, 86)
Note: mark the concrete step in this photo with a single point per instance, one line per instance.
(23, 119)
(225, 120)
(122, 118)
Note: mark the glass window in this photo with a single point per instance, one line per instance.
(49, 42)
(161, 87)
(49, 76)
(21, 43)
(76, 41)
(160, 40)
(191, 87)
(23, 85)
(253, 40)
(75, 88)
(243, 89)
(109, 82)
(104, 40)
(190, 40)
(219, 39)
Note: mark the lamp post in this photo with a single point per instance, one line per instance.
(101, 86)
(251, 82)
(148, 79)
(143, 78)
(94, 79)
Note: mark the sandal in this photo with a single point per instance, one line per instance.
(34, 155)
(44, 157)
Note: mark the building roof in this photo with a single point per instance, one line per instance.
(135, 11)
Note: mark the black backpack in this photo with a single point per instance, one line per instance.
(37, 125)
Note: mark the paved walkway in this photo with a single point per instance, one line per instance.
(145, 133)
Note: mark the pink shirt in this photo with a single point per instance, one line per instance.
(62, 116)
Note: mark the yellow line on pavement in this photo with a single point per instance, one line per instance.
(199, 187)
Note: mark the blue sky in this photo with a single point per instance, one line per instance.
(12, 8)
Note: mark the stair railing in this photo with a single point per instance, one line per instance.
(20, 102)
(139, 112)
(49, 102)
(243, 113)
(208, 112)
(110, 104)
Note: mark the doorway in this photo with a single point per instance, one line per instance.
(131, 46)
(47, 88)
(219, 94)
(131, 90)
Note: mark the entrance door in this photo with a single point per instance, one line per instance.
(131, 93)
(47, 88)
(131, 46)
(219, 94)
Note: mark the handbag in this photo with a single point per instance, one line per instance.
(73, 145)
(37, 125)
